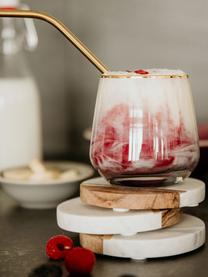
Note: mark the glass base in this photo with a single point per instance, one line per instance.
(150, 180)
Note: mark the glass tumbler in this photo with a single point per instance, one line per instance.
(144, 128)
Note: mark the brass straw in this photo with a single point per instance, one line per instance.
(63, 29)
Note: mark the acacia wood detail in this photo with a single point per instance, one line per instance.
(139, 198)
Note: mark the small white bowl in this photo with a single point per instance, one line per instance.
(46, 194)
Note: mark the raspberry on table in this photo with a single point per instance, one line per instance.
(58, 246)
(80, 260)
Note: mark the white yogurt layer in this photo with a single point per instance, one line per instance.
(151, 71)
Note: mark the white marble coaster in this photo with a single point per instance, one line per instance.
(183, 237)
(75, 216)
(98, 192)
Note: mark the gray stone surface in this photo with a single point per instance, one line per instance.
(23, 234)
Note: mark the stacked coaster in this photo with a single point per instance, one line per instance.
(135, 222)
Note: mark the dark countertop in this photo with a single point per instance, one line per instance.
(23, 234)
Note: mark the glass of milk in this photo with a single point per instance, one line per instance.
(144, 129)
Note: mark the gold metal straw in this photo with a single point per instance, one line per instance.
(63, 29)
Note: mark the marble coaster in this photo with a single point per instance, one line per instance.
(183, 237)
(75, 216)
(98, 192)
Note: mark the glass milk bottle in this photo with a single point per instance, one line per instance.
(20, 122)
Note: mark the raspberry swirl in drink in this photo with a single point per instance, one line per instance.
(144, 129)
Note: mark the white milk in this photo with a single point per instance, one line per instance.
(20, 128)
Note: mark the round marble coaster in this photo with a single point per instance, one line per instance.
(184, 237)
(74, 216)
(98, 192)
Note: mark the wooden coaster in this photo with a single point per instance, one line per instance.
(184, 237)
(98, 192)
(74, 216)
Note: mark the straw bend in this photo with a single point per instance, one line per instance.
(62, 28)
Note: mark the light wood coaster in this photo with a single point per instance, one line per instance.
(184, 237)
(98, 192)
(74, 216)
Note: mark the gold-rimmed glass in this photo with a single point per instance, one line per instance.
(144, 129)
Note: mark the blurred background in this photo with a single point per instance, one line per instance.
(124, 35)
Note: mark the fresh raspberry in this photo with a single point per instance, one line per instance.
(58, 246)
(80, 260)
(141, 71)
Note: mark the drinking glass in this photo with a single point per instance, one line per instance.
(144, 128)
